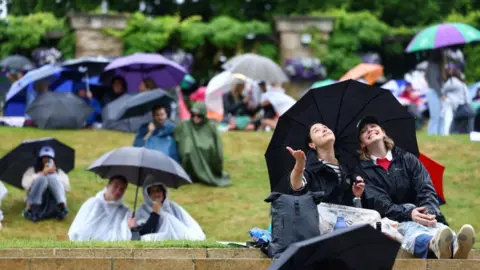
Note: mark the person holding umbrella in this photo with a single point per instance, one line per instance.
(87, 96)
(399, 188)
(45, 175)
(320, 170)
(119, 87)
(104, 217)
(160, 219)
(147, 84)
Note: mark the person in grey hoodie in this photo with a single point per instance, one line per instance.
(435, 76)
(455, 93)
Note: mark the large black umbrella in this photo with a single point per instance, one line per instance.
(14, 164)
(17, 62)
(142, 103)
(93, 66)
(112, 112)
(52, 110)
(339, 106)
(357, 247)
(136, 163)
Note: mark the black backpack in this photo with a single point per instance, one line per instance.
(294, 219)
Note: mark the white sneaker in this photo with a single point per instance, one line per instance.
(441, 243)
(464, 242)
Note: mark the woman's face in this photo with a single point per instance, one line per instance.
(142, 87)
(117, 87)
(156, 193)
(197, 119)
(321, 135)
(45, 160)
(371, 133)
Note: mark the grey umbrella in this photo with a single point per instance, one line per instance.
(140, 104)
(112, 112)
(52, 110)
(136, 163)
(256, 67)
(17, 62)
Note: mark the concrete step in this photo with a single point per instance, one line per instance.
(164, 253)
(198, 264)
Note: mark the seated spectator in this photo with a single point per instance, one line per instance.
(119, 87)
(87, 96)
(147, 84)
(321, 171)
(200, 148)
(104, 217)
(160, 219)
(158, 135)
(237, 111)
(400, 188)
(269, 119)
(45, 177)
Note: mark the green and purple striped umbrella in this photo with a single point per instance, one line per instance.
(443, 35)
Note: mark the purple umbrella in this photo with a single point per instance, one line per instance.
(135, 67)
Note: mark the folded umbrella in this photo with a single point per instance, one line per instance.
(53, 110)
(357, 247)
(339, 106)
(256, 67)
(136, 164)
(14, 164)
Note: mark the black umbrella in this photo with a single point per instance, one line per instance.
(17, 62)
(142, 103)
(339, 106)
(357, 247)
(52, 110)
(93, 66)
(14, 164)
(113, 110)
(136, 163)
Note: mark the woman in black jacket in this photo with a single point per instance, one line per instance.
(400, 188)
(320, 170)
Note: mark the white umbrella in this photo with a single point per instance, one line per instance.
(218, 86)
(256, 67)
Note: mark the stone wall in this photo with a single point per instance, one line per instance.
(90, 37)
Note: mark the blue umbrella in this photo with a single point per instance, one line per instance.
(59, 78)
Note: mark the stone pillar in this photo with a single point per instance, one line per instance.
(290, 30)
(90, 39)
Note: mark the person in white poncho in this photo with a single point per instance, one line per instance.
(104, 217)
(172, 221)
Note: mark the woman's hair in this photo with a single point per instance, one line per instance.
(365, 155)
(149, 83)
(163, 190)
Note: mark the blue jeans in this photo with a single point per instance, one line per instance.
(435, 124)
(41, 184)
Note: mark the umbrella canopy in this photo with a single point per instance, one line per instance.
(94, 66)
(256, 67)
(199, 94)
(435, 170)
(339, 106)
(136, 163)
(443, 35)
(17, 62)
(59, 79)
(358, 247)
(14, 164)
(52, 110)
(114, 110)
(142, 103)
(370, 72)
(135, 67)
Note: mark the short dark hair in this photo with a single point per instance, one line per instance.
(118, 177)
(159, 107)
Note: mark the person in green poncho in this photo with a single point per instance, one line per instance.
(200, 148)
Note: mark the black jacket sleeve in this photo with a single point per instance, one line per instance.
(149, 227)
(229, 106)
(421, 182)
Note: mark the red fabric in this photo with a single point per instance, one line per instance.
(183, 111)
(199, 94)
(410, 96)
(435, 170)
(384, 163)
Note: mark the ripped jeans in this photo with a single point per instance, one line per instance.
(416, 237)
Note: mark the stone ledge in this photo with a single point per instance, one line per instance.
(176, 253)
(93, 252)
(234, 253)
(199, 264)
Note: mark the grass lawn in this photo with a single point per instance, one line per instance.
(225, 214)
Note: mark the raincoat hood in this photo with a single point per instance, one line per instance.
(148, 202)
(199, 108)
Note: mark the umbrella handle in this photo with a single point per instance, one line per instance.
(135, 202)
